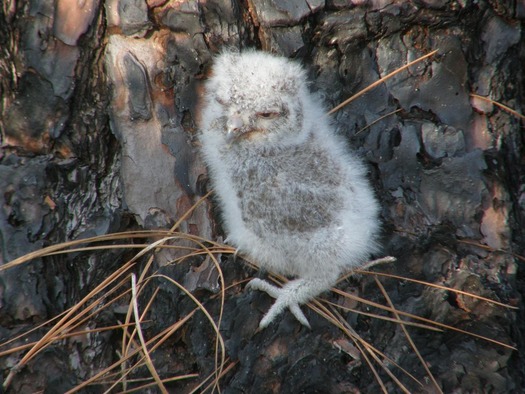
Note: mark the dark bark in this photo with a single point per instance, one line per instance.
(98, 121)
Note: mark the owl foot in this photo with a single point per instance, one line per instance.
(293, 294)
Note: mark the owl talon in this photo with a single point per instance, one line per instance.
(235, 254)
(285, 297)
(259, 284)
(299, 315)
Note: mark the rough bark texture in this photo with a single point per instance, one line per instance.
(98, 118)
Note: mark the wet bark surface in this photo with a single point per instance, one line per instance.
(98, 122)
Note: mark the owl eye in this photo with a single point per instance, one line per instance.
(268, 115)
(221, 101)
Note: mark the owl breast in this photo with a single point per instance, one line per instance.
(291, 191)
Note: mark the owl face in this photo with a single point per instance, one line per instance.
(256, 99)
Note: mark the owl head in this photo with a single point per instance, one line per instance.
(255, 99)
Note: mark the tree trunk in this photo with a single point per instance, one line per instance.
(98, 121)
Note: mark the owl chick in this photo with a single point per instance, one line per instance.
(293, 198)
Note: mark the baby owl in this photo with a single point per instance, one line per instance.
(293, 198)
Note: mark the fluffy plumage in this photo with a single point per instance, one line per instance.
(293, 198)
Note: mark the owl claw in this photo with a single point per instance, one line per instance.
(259, 284)
(285, 297)
(299, 315)
(235, 254)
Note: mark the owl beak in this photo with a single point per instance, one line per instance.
(234, 125)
